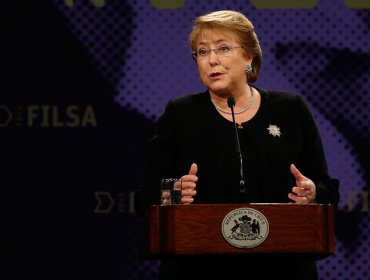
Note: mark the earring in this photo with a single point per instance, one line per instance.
(248, 69)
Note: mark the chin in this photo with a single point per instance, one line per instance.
(215, 86)
(219, 90)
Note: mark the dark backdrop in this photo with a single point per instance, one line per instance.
(82, 84)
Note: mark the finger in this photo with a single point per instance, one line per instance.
(189, 178)
(188, 192)
(187, 200)
(303, 199)
(301, 191)
(188, 185)
(298, 199)
(296, 173)
(193, 169)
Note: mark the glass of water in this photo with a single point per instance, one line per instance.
(171, 191)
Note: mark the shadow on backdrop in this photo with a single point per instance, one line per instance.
(66, 140)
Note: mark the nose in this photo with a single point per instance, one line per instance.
(213, 58)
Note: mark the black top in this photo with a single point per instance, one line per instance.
(282, 132)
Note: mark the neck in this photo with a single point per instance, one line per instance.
(241, 97)
(243, 102)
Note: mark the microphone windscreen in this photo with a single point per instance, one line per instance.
(231, 101)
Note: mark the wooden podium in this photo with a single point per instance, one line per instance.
(196, 229)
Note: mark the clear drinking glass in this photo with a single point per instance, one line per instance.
(171, 191)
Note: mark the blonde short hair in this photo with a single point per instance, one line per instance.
(239, 25)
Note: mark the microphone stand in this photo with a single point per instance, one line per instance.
(243, 187)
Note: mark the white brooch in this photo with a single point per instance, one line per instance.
(274, 130)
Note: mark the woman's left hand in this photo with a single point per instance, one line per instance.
(305, 190)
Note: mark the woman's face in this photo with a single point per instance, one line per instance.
(223, 73)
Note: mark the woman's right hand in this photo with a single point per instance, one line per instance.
(189, 183)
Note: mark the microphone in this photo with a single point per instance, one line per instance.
(231, 104)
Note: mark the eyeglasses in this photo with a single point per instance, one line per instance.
(222, 51)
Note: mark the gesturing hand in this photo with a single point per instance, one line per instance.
(305, 190)
(188, 185)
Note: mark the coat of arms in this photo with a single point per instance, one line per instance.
(245, 228)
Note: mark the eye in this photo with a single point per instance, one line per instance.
(224, 49)
(202, 52)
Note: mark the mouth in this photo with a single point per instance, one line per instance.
(215, 74)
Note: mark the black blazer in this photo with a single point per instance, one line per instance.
(282, 132)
